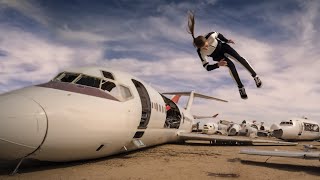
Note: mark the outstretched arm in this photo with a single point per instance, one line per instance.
(222, 38)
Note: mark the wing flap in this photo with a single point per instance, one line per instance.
(230, 139)
(292, 154)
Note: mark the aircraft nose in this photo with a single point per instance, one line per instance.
(23, 125)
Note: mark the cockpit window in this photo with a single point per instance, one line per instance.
(69, 77)
(58, 77)
(89, 81)
(107, 85)
(110, 87)
(107, 75)
(286, 123)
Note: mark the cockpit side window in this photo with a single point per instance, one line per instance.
(125, 92)
(107, 85)
(89, 81)
(110, 87)
(107, 75)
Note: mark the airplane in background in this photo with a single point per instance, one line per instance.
(296, 129)
(207, 126)
(225, 127)
(92, 112)
(220, 128)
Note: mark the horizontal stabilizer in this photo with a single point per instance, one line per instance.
(204, 117)
(195, 95)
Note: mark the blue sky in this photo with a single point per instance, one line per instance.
(280, 39)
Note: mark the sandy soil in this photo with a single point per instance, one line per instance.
(193, 160)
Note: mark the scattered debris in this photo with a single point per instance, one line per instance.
(232, 175)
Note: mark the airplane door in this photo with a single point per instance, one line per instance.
(145, 103)
(300, 126)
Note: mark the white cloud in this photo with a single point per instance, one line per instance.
(29, 8)
(67, 34)
(33, 59)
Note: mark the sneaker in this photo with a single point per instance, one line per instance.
(243, 93)
(258, 81)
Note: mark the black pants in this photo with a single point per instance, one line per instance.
(225, 51)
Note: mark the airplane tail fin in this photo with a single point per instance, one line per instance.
(192, 95)
(176, 98)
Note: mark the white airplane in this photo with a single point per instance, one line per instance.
(225, 127)
(296, 129)
(210, 128)
(248, 129)
(92, 112)
(222, 127)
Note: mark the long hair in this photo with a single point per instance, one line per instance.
(198, 41)
(191, 23)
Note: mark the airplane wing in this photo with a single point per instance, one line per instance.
(291, 154)
(239, 140)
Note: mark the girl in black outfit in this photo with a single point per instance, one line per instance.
(215, 45)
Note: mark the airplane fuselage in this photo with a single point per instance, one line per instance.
(65, 121)
(296, 129)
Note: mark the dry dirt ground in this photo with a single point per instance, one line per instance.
(194, 160)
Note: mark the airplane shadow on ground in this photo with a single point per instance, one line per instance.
(313, 170)
(30, 165)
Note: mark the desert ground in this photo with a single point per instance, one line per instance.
(193, 160)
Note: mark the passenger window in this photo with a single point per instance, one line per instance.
(69, 77)
(89, 81)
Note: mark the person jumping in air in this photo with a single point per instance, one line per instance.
(215, 45)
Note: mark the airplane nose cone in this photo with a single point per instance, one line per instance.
(23, 125)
